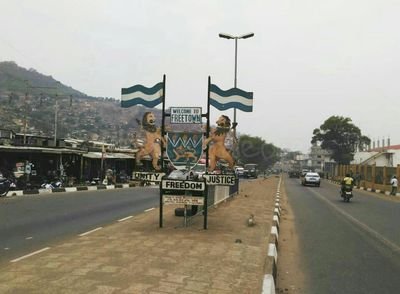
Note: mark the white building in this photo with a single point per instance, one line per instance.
(382, 156)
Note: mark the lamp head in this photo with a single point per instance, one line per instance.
(249, 35)
(226, 36)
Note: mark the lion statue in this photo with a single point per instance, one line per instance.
(218, 150)
(152, 142)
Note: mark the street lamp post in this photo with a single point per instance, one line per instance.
(227, 36)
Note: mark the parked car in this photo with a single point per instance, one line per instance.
(250, 170)
(179, 174)
(199, 170)
(311, 178)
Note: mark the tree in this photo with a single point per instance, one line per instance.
(341, 137)
(255, 150)
(291, 155)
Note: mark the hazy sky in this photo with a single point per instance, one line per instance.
(308, 60)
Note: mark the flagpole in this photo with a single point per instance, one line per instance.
(208, 120)
(162, 151)
(207, 135)
(163, 126)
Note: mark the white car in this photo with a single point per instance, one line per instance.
(239, 171)
(311, 179)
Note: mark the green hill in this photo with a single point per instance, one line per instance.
(14, 78)
(27, 95)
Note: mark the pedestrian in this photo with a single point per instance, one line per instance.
(394, 184)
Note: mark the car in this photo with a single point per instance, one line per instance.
(239, 171)
(311, 178)
(199, 170)
(294, 174)
(250, 170)
(179, 174)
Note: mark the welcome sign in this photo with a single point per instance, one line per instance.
(185, 115)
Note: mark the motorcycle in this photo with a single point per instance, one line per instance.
(5, 185)
(346, 193)
(52, 185)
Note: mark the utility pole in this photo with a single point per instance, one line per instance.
(26, 110)
(55, 122)
(41, 97)
(25, 116)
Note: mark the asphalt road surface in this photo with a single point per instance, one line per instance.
(29, 223)
(346, 247)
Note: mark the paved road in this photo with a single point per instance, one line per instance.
(28, 223)
(346, 247)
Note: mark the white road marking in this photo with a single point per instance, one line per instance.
(89, 232)
(125, 218)
(366, 228)
(30, 254)
(28, 238)
(150, 209)
(6, 248)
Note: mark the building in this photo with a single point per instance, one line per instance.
(380, 156)
(318, 158)
(33, 160)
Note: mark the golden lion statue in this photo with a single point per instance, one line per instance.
(218, 150)
(152, 144)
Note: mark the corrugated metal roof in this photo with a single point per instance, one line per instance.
(40, 149)
(98, 155)
(94, 155)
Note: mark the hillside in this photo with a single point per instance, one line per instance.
(27, 95)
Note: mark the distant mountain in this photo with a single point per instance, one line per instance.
(27, 95)
(14, 78)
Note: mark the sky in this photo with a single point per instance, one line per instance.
(308, 60)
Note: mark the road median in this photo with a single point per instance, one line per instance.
(136, 256)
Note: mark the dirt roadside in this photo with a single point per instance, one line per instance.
(290, 277)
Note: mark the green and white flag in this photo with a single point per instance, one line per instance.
(139, 94)
(232, 98)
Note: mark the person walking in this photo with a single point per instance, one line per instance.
(394, 182)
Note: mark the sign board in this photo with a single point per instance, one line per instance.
(184, 148)
(148, 176)
(185, 115)
(220, 180)
(182, 199)
(183, 185)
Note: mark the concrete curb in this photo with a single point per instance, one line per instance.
(68, 189)
(366, 189)
(269, 281)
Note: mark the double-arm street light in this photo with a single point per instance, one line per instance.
(227, 36)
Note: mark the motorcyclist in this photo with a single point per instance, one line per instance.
(347, 183)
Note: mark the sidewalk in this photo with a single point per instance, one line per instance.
(12, 193)
(136, 256)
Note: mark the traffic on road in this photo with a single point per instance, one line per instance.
(346, 247)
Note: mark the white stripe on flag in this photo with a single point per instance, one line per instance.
(139, 94)
(234, 98)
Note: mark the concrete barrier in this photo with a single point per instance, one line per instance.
(271, 263)
(67, 189)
